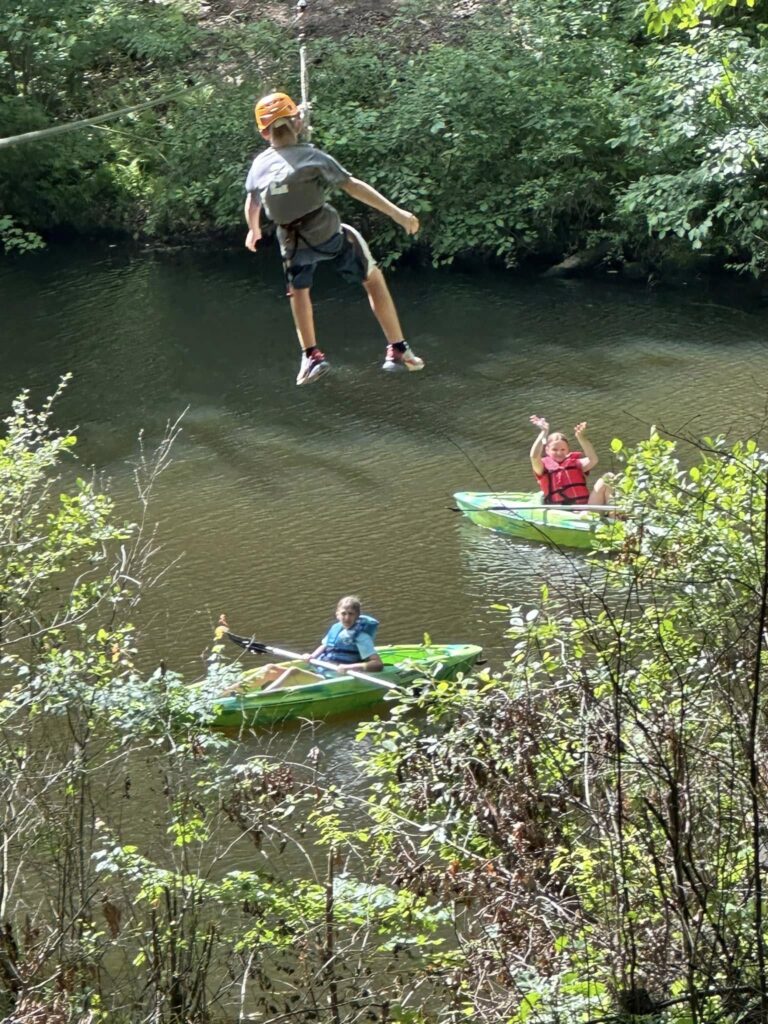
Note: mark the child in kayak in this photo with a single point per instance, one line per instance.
(561, 473)
(348, 644)
(349, 641)
(290, 180)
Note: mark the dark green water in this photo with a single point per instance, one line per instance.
(281, 498)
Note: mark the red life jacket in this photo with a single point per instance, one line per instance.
(564, 483)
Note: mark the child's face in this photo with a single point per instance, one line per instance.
(347, 615)
(558, 450)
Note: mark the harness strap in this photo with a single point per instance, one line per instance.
(293, 229)
(294, 224)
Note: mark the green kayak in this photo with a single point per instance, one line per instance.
(521, 514)
(307, 693)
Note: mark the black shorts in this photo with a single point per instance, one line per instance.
(347, 249)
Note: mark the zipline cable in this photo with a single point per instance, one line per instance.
(42, 133)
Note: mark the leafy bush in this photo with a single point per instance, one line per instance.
(531, 131)
(595, 814)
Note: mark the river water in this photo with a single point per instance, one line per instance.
(280, 499)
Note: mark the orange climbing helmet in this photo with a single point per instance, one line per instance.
(273, 107)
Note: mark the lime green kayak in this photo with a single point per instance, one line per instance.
(307, 693)
(521, 514)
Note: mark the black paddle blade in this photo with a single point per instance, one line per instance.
(247, 643)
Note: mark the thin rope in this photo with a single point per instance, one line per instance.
(306, 105)
(13, 140)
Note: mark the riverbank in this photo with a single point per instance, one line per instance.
(695, 276)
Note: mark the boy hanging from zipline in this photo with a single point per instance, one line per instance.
(290, 180)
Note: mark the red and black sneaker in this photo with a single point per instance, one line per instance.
(312, 368)
(396, 360)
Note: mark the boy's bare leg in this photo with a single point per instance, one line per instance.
(313, 365)
(283, 677)
(383, 306)
(303, 316)
(267, 675)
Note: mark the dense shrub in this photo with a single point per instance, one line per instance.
(530, 131)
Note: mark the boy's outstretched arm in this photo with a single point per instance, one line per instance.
(363, 192)
(252, 211)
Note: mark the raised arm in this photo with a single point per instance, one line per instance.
(585, 444)
(364, 193)
(537, 448)
(252, 211)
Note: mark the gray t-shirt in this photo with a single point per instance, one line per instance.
(291, 182)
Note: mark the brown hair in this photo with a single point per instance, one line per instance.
(352, 600)
(284, 134)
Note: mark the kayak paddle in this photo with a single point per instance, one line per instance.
(256, 647)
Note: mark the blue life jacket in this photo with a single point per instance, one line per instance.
(344, 650)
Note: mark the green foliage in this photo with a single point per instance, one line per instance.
(576, 837)
(144, 857)
(594, 814)
(50, 536)
(687, 14)
(16, 239)
(76, 59)
(532, 131)
(492, 153)
(62, 52)
(697, 145)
